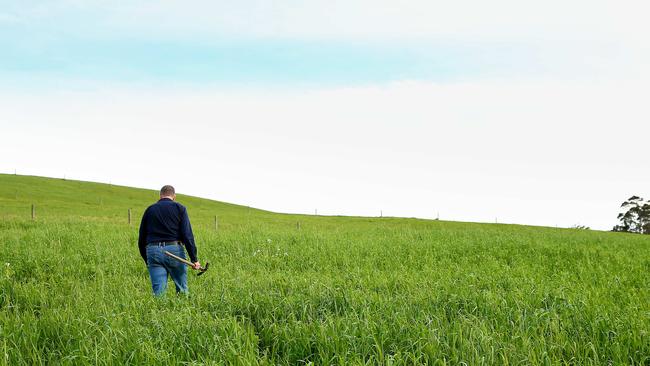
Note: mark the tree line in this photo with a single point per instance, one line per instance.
(634, 217)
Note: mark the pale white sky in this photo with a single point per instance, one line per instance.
(525, 113)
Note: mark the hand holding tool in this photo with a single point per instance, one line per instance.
(200, 269)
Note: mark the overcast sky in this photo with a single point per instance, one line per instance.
(516, 111)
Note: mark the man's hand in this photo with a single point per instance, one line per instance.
(196, 265)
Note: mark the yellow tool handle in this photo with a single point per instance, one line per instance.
(179, 259)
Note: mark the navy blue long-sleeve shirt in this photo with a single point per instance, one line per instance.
(166, 220)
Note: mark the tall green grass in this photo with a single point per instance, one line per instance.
(73, 289)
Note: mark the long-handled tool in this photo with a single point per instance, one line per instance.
(201, 269)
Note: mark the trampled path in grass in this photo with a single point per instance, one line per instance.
(332, 290)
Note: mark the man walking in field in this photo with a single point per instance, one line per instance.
(166, 226)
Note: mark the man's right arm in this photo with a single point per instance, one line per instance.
(142, 238)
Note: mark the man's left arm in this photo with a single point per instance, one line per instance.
(142, 238)
(187, 237)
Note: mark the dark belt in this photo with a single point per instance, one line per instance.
(165, 243)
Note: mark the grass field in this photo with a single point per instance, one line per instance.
(337, 290)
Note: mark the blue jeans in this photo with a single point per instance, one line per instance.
(159, 265)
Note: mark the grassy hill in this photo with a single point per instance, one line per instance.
(58, 199)
(298, 289)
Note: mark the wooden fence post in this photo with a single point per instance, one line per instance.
(33, 212)
(129, 216)
(216, 223)
(298, 225)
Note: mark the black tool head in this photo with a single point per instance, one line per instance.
(204, 269)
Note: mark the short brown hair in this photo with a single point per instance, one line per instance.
(167, 191)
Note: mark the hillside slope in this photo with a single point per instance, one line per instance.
(58, 199)
(69, 200)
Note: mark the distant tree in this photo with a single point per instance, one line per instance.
(635, 217)
(580, 227)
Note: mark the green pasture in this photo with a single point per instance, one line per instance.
(299, 289)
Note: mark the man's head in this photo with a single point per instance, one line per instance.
(168, 192)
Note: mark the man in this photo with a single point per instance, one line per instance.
(165, 226)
